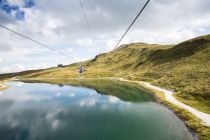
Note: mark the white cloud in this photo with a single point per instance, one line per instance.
(88, 102)
(53, 23)
(86, 42)
(22, 96)
(16, 2)
(70, 50)
(71, 94)
(113, 99)
(62, 22)
(78, 59)
(55, 124)
(20, 67)
(110, 45)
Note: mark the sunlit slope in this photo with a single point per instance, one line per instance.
(184, 68)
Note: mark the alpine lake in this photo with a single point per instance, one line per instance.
(98, 110)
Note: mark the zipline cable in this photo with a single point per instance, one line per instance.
(50, 48)
(132, 24)
(86, 19)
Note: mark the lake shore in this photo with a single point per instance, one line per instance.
(2, 86)
(150, 116)
(189, 115)
(169, 97)
(192, 122)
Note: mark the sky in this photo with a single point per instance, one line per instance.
(61, 25)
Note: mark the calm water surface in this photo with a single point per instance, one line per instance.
(31, 111)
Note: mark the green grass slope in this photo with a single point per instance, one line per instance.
(184, 68)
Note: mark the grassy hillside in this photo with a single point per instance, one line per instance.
(184, 68)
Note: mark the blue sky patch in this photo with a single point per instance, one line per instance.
(7, 7)
(15, 7)
(29, 3)
(20, 15)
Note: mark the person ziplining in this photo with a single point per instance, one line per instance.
(81, 71)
